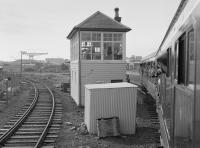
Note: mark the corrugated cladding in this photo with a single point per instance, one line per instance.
(92, 73)
(108, 102)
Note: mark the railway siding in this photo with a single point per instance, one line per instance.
(42, 125)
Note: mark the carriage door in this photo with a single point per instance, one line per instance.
(181, 101)
(197, 88)
(169, 102)
(184, 74)
(174, 83)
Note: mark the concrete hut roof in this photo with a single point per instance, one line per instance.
(99, 22)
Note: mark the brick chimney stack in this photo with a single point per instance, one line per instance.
(117, 18)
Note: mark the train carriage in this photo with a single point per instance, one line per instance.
(148, 77)
(178, 84)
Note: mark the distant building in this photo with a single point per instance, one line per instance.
(133, 63)
(97, 53)
(138, 58)
(67, 61)
(55, 61)
(15, 66)
(1, 68)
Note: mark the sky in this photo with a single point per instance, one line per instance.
(42, 25)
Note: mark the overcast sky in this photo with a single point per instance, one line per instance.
(42, 25)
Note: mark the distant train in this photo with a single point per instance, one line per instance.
(172, 76)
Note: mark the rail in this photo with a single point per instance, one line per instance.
(19, 122)
(43, 135)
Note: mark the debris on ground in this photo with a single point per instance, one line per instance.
(57, 85)
(68, 123)
(82, 129)
(73, 128)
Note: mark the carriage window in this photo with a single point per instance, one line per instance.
(176, 61)
(163, 62)
(168, 62)
(181, 59)
(191, 58)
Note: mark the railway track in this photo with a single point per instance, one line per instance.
(38, 122)
(149, 119)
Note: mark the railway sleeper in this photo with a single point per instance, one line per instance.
(43, 103)
(36, 115)
(35, 118)
(33, 129)
(27, 120)
(152, 117)
(33, 122)
(26, 142)
(55, 120)
(32, 126)
(35, 132)
(39, 125)
(43, 108)
(152, 110)
(26, 137)
(38, 122)
(29, 147)
(46, 113)
(40, 115)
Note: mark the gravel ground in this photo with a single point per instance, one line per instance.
(134, 77)
(73, 116)
(73, 138)
(15, 103)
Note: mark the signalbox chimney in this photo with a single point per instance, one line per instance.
(117, 18)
